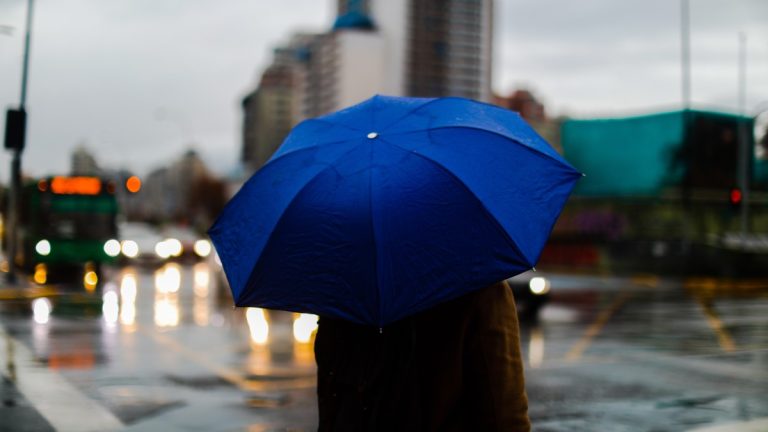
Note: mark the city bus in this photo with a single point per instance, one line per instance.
(68, 229)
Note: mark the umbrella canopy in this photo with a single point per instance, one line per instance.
(389, 207)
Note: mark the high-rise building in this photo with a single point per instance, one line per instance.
(168, 191)
(268, 115)
(280, 100)
(426, 48)
(349, 66)
(433, 47)
(83, 163)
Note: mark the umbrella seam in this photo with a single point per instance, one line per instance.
(429, 101)
(304, 148)
(373, 238)
(526, 146)
(279, 218)
(445, 98)
(492, 218)
(323, 120)
(215, 226)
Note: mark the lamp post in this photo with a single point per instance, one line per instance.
(15, 135)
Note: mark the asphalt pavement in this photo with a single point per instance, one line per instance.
(163, 349)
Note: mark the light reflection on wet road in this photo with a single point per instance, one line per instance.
(163, 349)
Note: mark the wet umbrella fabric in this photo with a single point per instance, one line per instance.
(389, 207)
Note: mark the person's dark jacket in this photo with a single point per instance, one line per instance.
(455, 367)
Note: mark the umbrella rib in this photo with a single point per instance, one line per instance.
(490, 216)
(323, 120)
(301, 189)
(430, 101)
(527, 147)
(373, 238)
(410, 112)
(306, 148)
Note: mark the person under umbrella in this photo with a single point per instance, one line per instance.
(394, 220)
(454, 367)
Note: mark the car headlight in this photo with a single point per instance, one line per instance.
(174, 247)
(162, 250)
(130, 248)
(539, 285)
(202, 248)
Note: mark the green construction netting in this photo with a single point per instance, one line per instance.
(634, 156)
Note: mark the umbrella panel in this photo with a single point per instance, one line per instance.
(380, 235)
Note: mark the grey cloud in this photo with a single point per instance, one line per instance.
(101, 69)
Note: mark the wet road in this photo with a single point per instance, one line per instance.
(163, 349)
(646, 354)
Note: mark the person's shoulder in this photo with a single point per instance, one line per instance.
(494, 292)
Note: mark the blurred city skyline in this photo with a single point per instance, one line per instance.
(138, 84)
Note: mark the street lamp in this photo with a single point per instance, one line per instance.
(15, 136)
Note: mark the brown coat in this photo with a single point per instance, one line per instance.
(455, 367)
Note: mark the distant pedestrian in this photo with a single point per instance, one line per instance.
(454, 367)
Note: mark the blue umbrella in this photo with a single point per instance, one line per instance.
(391, 206)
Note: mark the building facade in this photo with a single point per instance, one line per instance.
(280, 101)
(424, 48)
(83, 163)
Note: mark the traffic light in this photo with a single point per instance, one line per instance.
(15, 129)
(735, 197)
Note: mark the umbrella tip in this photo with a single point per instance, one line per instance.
(583, 175)
(373, 135)
(533, 268)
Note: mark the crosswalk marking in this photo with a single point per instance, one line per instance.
(59, 402)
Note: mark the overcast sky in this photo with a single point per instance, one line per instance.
(139, 81)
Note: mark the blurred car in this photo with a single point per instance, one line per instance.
(138, 243)
(183, 243)
(532, 291)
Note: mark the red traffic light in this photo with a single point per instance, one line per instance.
(735, 196)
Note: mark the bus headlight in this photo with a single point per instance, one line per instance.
(43, 247)
(112, 248)
(539, 285)
(41, 274)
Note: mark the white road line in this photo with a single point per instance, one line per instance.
(759, 425)
(59, 402)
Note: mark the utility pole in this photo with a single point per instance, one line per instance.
(15, 137)
(745, 158)
(685, 53)
(687, 135)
